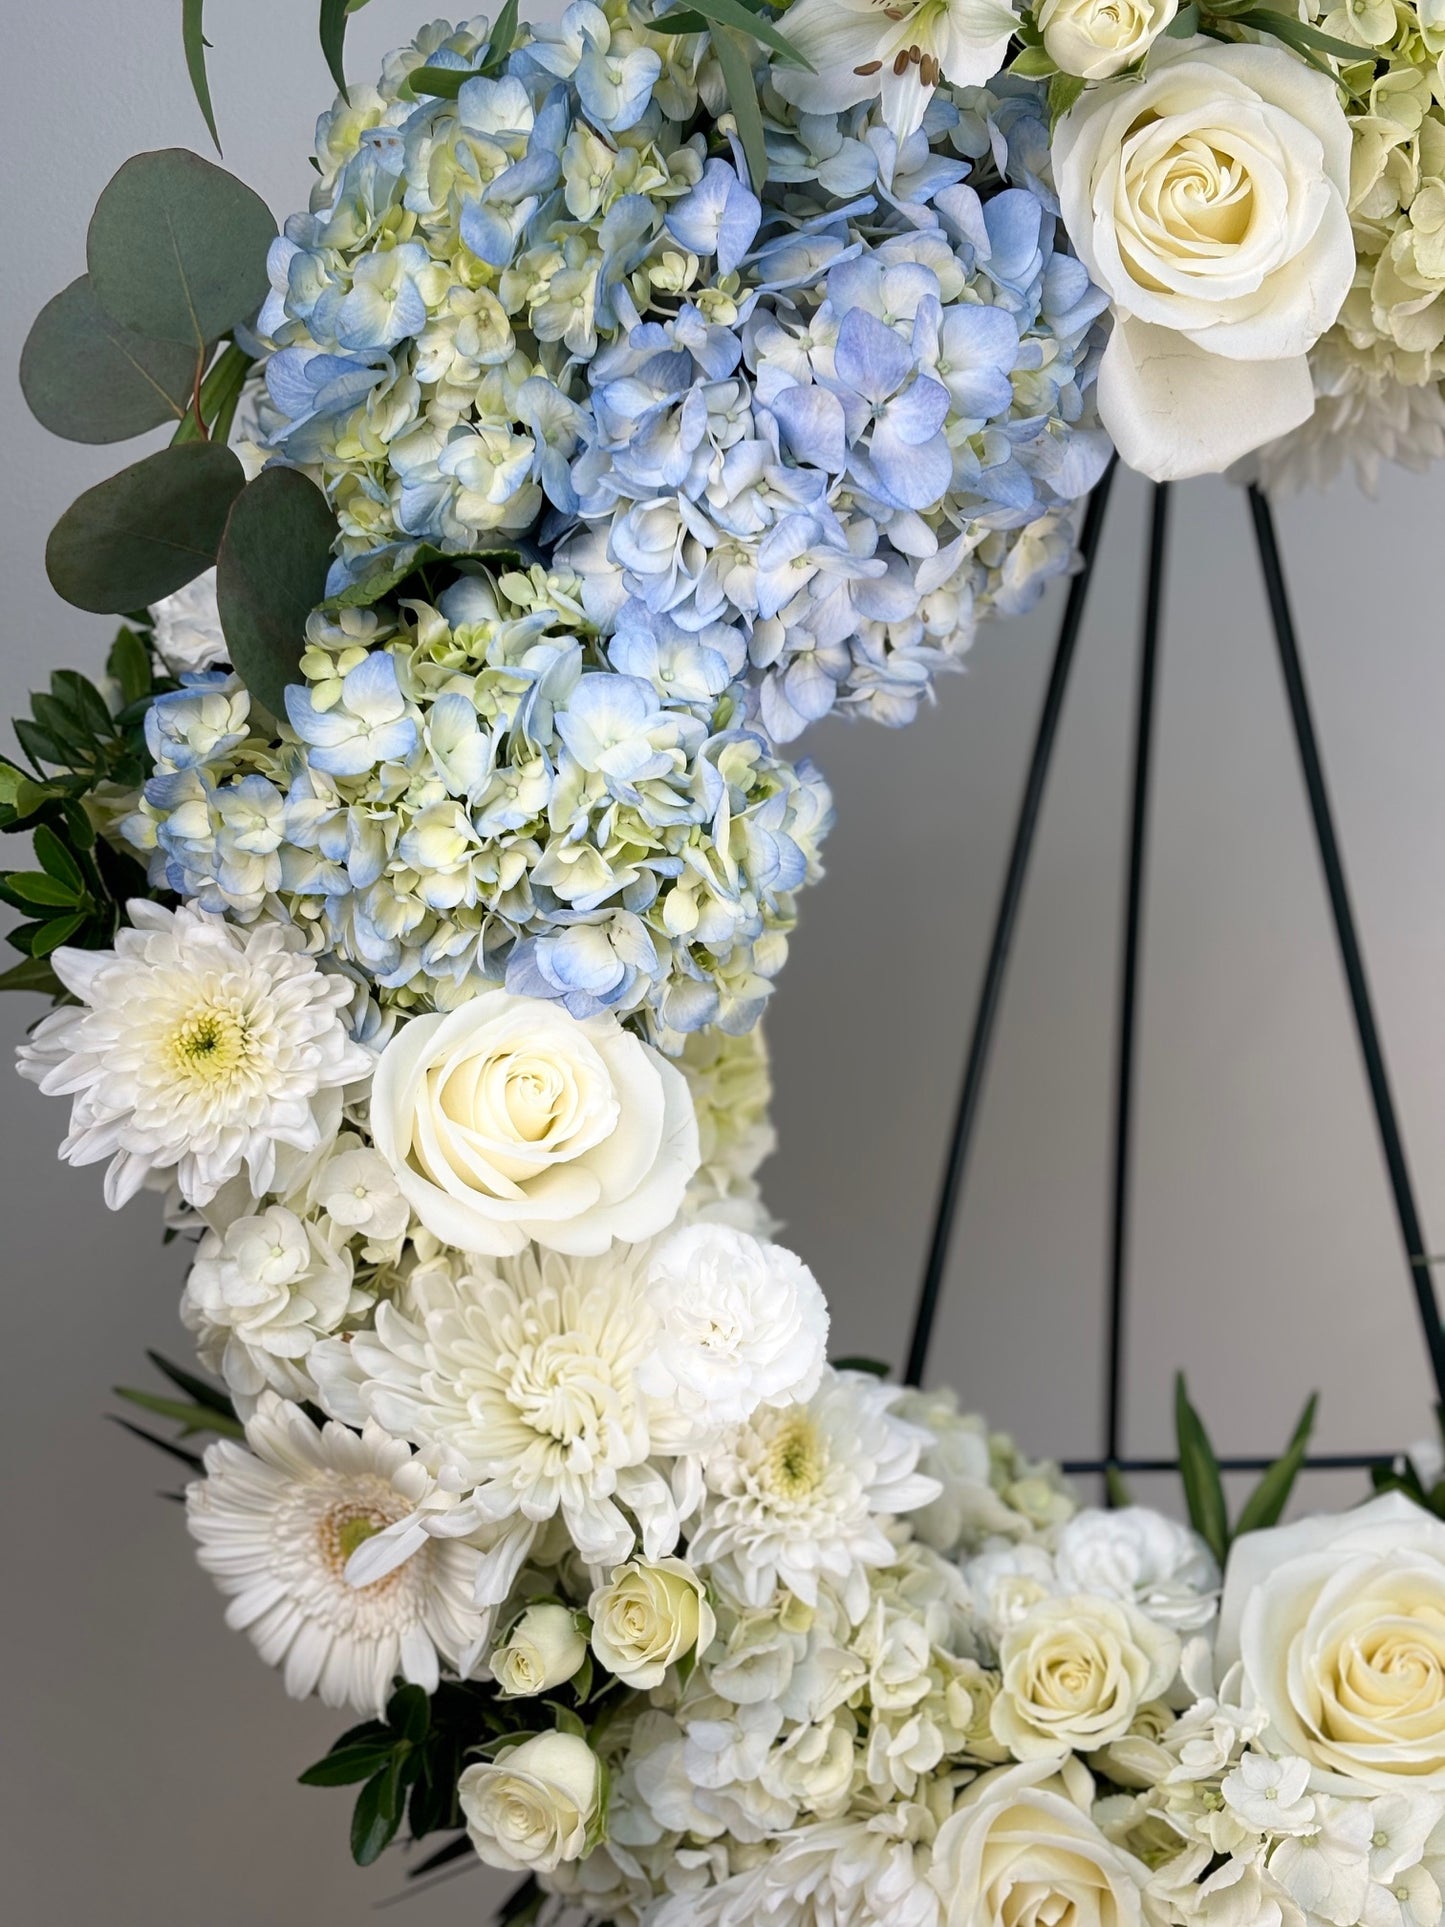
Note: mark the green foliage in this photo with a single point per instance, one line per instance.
(143, 534)
(90, 380)
(742, 16)
(737, 71)
(195, 43)
(270, 574)
(1204, 1486)
(206, 1408)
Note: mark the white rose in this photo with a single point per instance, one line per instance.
(1208, 202)
(508, 1121)
(741, 1324)
(538, 1805)
(1006, 1584)
(1021, 1847)
(1340, 1623)
(651, 1613)
(543, 1649)
(1096, 38)
(1075, 1671)
(1135, 1554)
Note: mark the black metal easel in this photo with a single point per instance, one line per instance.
(1005, 922)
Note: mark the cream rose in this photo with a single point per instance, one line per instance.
(1096, 38)
(1208, 202)
(543, 1649)
(651, 1613)
(1021, 1847)
(1340, 1623)
(508, 1121)
(1075, 1671)
(536, 1806)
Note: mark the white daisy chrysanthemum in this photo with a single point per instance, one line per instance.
(800, 1494)
(197, 1046)
(520, 1386)
(277, 1525)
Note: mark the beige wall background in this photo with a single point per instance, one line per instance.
(147, 1761)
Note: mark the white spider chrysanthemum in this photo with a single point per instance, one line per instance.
(800, 1494)
(520, 1386)
(198, 1047)
(276, 1526)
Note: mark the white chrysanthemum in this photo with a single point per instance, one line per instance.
(740, 1324)
(800, 1493)
(520, 1385)
(188, 635)
(261, 1296)
(197, 1046)
(277, 1525)
(1143, 1559)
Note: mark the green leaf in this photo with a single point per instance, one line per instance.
(34, 741)
(34, 973)
(1199, 1470)
(506, 552)
(146, 532)
(270, 575)
(80, 695)
(195, 43)
(742, 92)
(1300, 35)
(333, 39)
(53, 935)
(1184, 24)
(444, 83)
(90, 380)
(874, 1367)
(500, 40)
(34, 887)
(130, 664)
(191, 1459)
(200, 1389)
(1117, 1486)
(194, 1418)
(1033, 63)
(1269, 1498)
(177, 248)
(377, 1814)
(408, 1712)
(56, 860)
(1064, 90)
(345, 1765)
(730, 13)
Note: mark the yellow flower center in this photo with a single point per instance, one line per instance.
(209, 1045)
(797, 1458)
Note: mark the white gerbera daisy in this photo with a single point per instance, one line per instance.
(197, 1046)
(277, 1525)
(520, 1386)
(801, 1493)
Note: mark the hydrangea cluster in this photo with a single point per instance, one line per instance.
(810, 437)
(475, 792)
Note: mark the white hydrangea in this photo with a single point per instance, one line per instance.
(195, 1046)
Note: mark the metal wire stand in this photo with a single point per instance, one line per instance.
(965, 1120)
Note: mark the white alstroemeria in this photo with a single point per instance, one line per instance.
(1270, 1796)
(799, 1494)
(198, 1046)
(864, 49)
(278, 1521)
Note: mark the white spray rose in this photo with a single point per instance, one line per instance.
(1021, 1847)
(1208, 202)
(1075, 1672)
(1139, 1555)
(543, 1649)
(650, 1613)
(1340, 1623)
(537, 1806)
(508, 1121)
(1096, 38)
(741, 1324)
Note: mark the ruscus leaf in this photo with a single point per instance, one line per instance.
(270, 575)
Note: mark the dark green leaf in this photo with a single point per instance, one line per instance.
(500, 39)
(874, 1367)
(1300, 35)
(1117, 1486)
(333, 38)
(195, 1418)
(34, 887)
(521, 1904)
(200, 1389)
(60, 724)
(345, 1765)
(130, 664)
(56, 860)
(192, 1459)
(87, 378)
(177, 248)
(737, 71)
(270, 575)
(1199, 1470)
(1265, 1504)
(194, 41)
(35, 973)
(36, 744)
(408, 1712)
(444, 83)
(80, 695)
(78, 825)
(730, 13)
(377, 1815)
(53, 935)
(379, 582)
(147, 531)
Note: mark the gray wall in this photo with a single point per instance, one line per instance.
(148, 1757)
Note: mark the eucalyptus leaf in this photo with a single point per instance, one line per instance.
(146, 532)
(737, 72)
(90, 380)
(270, 575)
(177, 248)
(195, 43)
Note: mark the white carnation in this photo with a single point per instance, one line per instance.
(188, 634)
(740, 1324)
(1140, 1556)
(196, 1046)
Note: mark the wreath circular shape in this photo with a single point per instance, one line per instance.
(637, 389)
